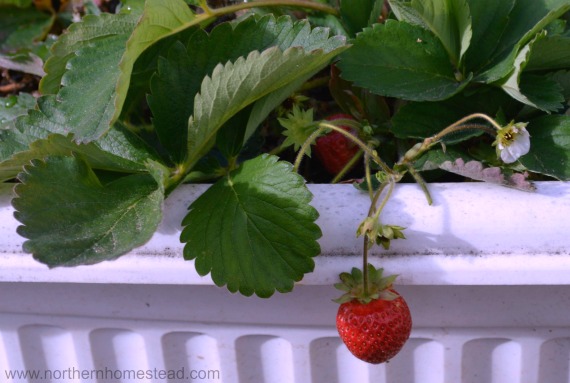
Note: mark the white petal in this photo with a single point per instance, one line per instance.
(519, 147)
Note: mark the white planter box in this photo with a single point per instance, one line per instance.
(486, 273)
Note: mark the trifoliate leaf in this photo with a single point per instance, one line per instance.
(254, 230)
(70, 218)
(401, 60)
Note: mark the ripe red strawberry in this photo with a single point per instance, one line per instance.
(374, 327)
(335, 150)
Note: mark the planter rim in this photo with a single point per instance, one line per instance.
(474, 234)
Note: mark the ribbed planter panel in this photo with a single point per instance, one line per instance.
(486, 272)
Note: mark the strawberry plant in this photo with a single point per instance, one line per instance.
(159, 93)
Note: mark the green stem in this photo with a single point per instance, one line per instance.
(324, 126)
(368, 177)
(304, 148)
(457, 126)
(347, 167)
(385, 199)
(365, 267)
(374, 212)
(312, 84)
(365, 148)
(420, 182)
(216, 12)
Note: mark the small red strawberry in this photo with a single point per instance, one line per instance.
(374, 326)
(335, 150)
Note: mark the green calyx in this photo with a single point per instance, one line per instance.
(378, 233)
(353, 286)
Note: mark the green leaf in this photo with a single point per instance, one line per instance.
(32, 137)
(12, 142)
(234, 86)
(548, 95)
(92, 31)
(70, 218)
(119, 150)
(404, 11)
(550, 146)
(89, 88)
(542, 91)
(489, 20)
(401, 60)
(450, 21)
(182, 72)
(358, 14)
(230, 137)
(86, 65)
(173, 88)
(160, 19)
(562, 78)
(13, 106)
(254, 230)
(526, 20)
(17, 3)
(550, 53)
(21, 27)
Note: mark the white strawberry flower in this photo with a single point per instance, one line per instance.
(512, 142)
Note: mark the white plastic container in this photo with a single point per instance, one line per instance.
(485, 271)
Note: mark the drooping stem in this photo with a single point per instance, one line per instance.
(216, 12)
(419, 179)
(374, 212)
(324, 126)
(368, 176)
(457, 126)
(365, 266)
(305, 147)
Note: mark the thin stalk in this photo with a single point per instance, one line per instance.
(385, 199)
(368, 177)
(365, 266)
(419, 179)
(304, 148)
(361, 144)
(216, 12)
(374, 212)
(457, 126)
(324, 126)
(347, 167)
